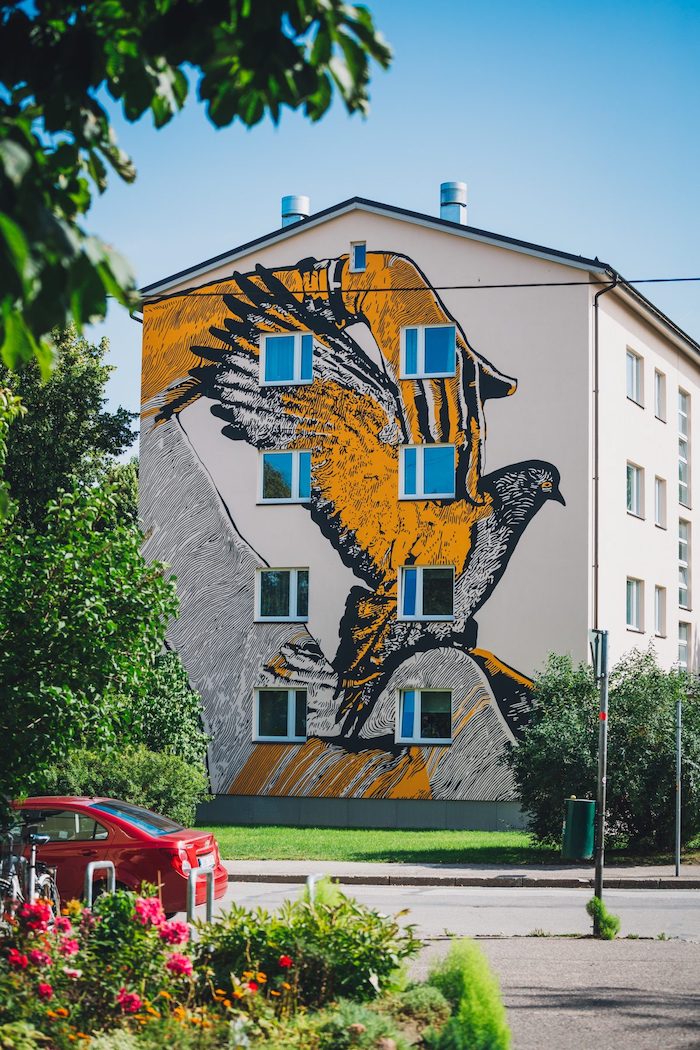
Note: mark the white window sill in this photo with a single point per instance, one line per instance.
(281, 619)
(634, 401)
(420, 740)
(660, 419)
(633, 514)
(635, 630)
(279, 739)
(283, 502)
(428, 496)
(426, 619)
(658, 525)
(430, 375)
(286, 382)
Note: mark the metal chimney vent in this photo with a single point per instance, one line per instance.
(294, 209)
(453, 202)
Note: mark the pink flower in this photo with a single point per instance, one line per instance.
(130, 1002)
(45, 990)
(174, 932)
(149, 911)
(35, 916)
(17, 959)
(73, 974)
(285, 961)
(68, 947)
(63, 924)
(39, 957)
(179, 965)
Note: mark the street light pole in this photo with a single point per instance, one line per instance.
(601, 669)
(678, 783)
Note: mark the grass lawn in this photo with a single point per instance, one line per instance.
(402, 846)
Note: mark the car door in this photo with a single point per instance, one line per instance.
(75, 839)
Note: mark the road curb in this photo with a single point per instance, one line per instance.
(493, 881)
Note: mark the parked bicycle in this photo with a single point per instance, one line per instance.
(25, 878)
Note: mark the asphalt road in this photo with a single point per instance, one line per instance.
(561, 993)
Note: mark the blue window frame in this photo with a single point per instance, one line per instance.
(286, 359)
(428, 351)
(427, 472)
(285, 477)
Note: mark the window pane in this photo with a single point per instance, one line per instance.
(303, 592)
(272, 712)
(439, 470)
(438, 588)
(408, 709)
(304, 475)
(410, 577)
(307, 348)
(274, 593)
(440, 350)
(436, 716)
(359, 256)
(300, 713)
(409, 471)
(683, 405)
(277, 476)
(683, 586)
(279, 358)
(411, 357)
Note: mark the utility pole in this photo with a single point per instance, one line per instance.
(679, 707)
(599, 649)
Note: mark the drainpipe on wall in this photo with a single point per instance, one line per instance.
(596, 443)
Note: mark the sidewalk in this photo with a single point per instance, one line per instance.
(545, 876)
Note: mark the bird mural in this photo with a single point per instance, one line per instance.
(355, 418)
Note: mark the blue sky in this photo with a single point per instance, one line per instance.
(576, 126)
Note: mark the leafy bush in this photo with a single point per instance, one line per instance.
(352, 1025)
(557, 755)
(608, 925)
(339, 949)
(479, 1017)
(422, 1003)
(18, 1035)
(166, 714)
(160, 782)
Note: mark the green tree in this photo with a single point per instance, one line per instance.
(82, 619)
(66, 431)
(166, 714)
(10, 409)
(60, 60)
(557, 756)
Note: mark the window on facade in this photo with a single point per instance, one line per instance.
(660, 611)
(684, 564)
(426, 593)
(660, 395)
(427, 472)
(358, 256)
(635, 589)
(283, 594)
(683, 645)
(425, 715)
(634, 377)
(684, 448)
(635, 490)
(287, 359)
(428, 350)
(286, 477)
(280, 714)
(660, 502)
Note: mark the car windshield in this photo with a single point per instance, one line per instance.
(140, 818)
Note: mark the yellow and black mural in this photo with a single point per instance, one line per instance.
(353, 408)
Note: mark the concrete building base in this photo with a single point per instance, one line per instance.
(361, 813)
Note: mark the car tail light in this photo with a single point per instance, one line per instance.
(180, 861)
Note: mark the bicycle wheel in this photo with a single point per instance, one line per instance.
(47, 889)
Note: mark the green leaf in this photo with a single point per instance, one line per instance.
(17, 246)
(15, 159)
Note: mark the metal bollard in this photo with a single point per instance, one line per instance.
(99, 865)
(311, 885)
(198, 873)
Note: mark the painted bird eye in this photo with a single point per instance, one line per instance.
(546, 485)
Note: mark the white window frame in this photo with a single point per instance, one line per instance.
(291, 716)
(684, 563)
(295, 497)
(638, 490)
(293, 588)
(420, 355)
(638, 611)
(420, 569)
(660, 503)
(660, 611)
(684, 487)
(635, 390)
(660, 395)
(420, 477)
(297, 380)
(354, 268)
(684, 628)
(415, 739)
(684, 413)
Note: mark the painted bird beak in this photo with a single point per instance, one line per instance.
(556, 495)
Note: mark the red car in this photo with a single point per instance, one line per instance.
(143, 846)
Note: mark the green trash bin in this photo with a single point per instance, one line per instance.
(579, 828)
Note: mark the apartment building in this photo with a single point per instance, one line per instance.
(394, 461)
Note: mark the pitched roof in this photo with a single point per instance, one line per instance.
(472, 233)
